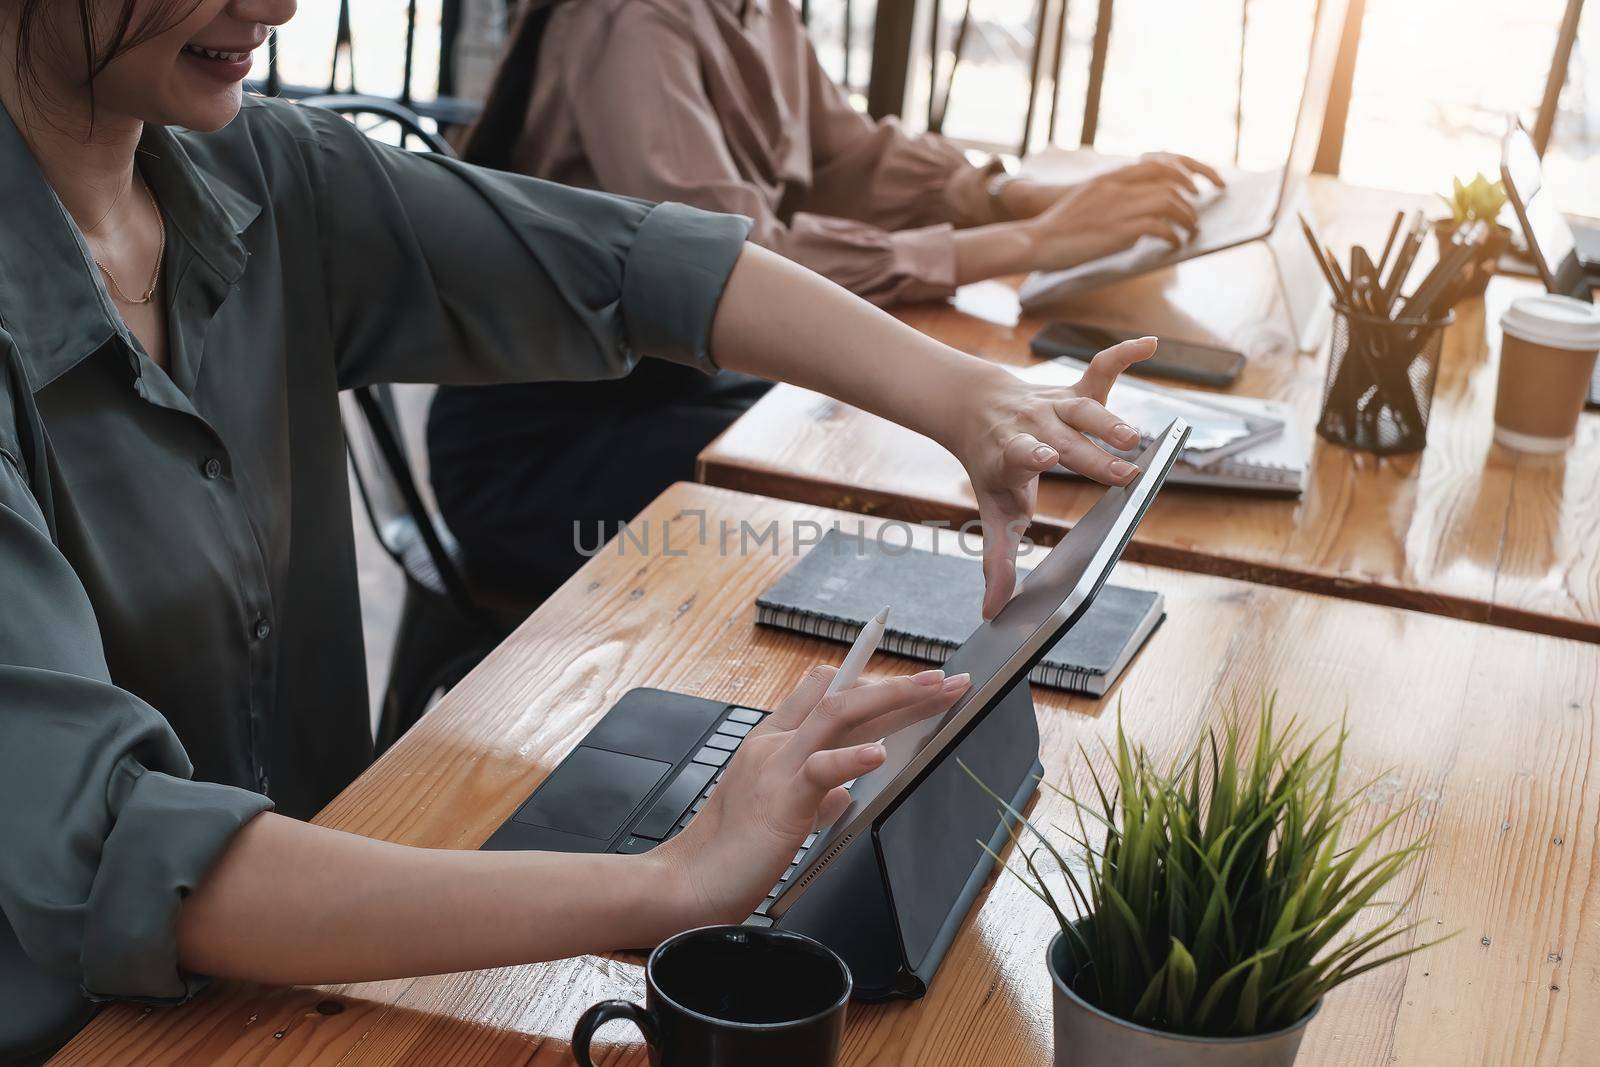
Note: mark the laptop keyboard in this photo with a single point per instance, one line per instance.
(1243, 207)
(686, 794)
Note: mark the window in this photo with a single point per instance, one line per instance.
(1435, 79)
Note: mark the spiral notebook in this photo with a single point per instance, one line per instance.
(1270, 457)
(934, 600)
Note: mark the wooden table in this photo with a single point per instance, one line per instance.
(1490, 733)
(1466, 529)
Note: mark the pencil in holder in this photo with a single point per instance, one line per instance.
(1380, 380)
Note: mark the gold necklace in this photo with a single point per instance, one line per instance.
(161, 252)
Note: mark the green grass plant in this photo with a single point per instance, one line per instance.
(1217, 895)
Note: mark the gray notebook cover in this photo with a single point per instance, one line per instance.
(934, 601)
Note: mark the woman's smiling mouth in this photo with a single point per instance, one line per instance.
(217, 54)
(226, 65)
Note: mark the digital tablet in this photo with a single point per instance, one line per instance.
(1000, 653)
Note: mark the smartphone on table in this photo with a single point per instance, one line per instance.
(1184, 361)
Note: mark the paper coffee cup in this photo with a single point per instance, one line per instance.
(1547, 356)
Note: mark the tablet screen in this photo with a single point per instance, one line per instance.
(1001, 651)
(1021, 624)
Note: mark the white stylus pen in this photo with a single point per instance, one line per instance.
(855, 661)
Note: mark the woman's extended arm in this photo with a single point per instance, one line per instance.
(289, 902)
(878, 214)
(488, 277)
(778, 320)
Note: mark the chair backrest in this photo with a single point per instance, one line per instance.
(407, 527)
(409, 122)
(492, 137)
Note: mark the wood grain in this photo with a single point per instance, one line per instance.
(1465, 529)
(1488, 732)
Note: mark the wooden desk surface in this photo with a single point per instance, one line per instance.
(1466, 529)
(1491, 733)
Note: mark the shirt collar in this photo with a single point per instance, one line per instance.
(52, 299)
(209, 213)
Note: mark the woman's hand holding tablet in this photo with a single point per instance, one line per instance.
(1025, 430)
(777, 320)
(787, 779)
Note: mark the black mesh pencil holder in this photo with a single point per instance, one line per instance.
(1380, 382)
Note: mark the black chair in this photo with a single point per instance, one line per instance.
(445, 627)
(408, 122)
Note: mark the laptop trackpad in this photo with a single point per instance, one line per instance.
(592, 793)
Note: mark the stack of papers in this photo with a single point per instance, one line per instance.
(1236, 442)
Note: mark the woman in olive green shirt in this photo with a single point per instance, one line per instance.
(179, 630)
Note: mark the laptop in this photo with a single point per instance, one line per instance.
(1248, 209)
(651, 763)
(1567, 255)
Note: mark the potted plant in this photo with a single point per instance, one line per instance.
(1479, 199)
(1215, 904)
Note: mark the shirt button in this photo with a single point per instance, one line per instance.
(263, 628)
(212, 468)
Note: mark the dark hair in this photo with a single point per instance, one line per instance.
(97, 53)
(490, 140)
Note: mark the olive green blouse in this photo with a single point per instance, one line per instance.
(180, 636)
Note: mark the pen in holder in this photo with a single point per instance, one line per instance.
(1380, 381)
(1386, 343)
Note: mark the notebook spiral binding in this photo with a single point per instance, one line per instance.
(928, 650)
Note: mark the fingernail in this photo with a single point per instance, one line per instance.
(956, 682)
(1044, 454)
(872, 753)
(1122, 469)
(1124, 432)
(1149, 337)
(928, 677)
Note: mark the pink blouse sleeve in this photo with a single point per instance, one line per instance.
(667, 144)
(877, 172)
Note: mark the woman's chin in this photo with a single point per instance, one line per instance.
(208, 111)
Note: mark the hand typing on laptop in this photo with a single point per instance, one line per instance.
(786, 779)
(1051, 227)
(1156, 198)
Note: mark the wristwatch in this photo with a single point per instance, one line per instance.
(1000, 172)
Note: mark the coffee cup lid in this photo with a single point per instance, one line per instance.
(1554, 321)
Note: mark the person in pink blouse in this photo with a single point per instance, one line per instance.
(723, 105)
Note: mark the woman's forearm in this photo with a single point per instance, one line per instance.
(778, 320)
(994, 251)
(781, 321)
(294, 903)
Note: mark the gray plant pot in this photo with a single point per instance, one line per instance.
(1089, 1037)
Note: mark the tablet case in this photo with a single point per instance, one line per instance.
(892, 903)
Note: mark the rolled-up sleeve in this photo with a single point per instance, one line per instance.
(102, 832)
(440, 271)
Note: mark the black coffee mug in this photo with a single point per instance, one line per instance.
(734, 996)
